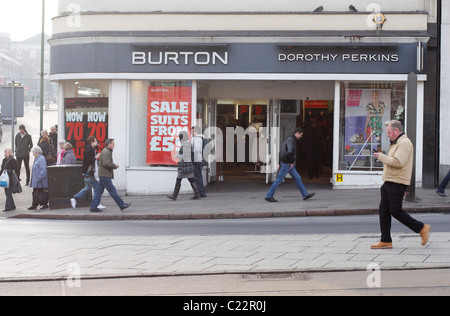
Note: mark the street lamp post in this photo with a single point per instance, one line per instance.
(42, 68)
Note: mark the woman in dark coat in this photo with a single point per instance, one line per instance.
(185, 168)
(10, 164)
(47, 150)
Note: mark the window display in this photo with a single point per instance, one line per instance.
(365, 107)
(159, 111)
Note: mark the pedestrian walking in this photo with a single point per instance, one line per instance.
(10, 164)
(398, 164)
(24, 144)
(88, 171)
(60, 152)
(106, 169)
(185, 168)
(198, 159)
(68, 158)
(288, 156)
(443, 186)
(39, 180)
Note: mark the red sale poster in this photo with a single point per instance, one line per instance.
(86, 117)
(169, 111)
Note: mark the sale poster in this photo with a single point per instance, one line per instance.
(169, 112)
(85, 117)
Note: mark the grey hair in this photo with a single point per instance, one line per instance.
(395, 125)
(10, 152)
(36, 150)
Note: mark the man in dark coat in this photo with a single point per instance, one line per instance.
(24, 144)
(88, 171)
(288, 156)
(106, 169)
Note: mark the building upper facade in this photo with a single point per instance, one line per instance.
(243, 5)
(240, 18)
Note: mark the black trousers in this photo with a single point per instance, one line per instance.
(391, 205)
(26, 161)
(198, 176)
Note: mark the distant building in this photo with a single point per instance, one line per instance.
(9, 67)
(28, 53)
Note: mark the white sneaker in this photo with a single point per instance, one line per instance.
(101, 207)
(73, 202)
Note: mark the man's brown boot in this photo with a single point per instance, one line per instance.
(382, 245)
(425, 234)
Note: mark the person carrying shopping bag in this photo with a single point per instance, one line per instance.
(11, 167)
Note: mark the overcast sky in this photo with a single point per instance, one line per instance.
(22, 18)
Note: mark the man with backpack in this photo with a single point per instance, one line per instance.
(288, 156)
(198, 144)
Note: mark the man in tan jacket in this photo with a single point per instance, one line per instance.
(398, 165)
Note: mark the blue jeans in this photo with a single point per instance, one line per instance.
(89, 185)
(444, 183)
(9, 205)
(285, 169)
(198, 176)
(106, 183)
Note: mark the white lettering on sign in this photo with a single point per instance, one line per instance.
(169, 107)
(74, 117)
(179, 58)
(356, 58)
(97, 117)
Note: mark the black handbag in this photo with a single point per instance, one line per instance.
(40, 198)
(16, 187)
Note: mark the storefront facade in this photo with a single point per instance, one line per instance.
(143, 87)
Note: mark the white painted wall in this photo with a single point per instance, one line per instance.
(445, 90)
(235, 22)
(118, 122)
(239, 5)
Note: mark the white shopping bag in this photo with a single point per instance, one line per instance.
(4, 180)
(96, 170)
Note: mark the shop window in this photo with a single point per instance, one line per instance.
(159, 111)
(91, 89)
(365, 107)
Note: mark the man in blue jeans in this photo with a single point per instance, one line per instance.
(106, 169)
(288, 156)
(88, 171)
(443, 185)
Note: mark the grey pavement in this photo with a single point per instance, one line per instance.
(238, 200)
(70, 257)
(45, 256)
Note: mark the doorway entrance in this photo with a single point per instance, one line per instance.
(269, 118)
(244, 124)
(315, 150)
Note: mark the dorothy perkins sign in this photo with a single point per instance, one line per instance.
(234, 58)
(356, 58)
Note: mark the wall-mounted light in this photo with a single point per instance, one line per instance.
(379, 20)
